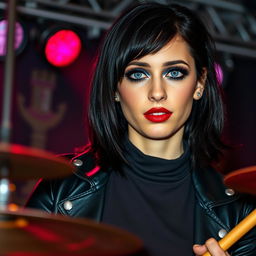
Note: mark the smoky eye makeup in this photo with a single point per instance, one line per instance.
(171, 73)
(136, 74)
(176, 73)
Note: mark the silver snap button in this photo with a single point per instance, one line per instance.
(229, 192)
(222, 233)
(77, 162)
(68, 205)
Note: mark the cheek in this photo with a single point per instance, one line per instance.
(131, 95)
(128, 99)
(184, 100)
(185, 95)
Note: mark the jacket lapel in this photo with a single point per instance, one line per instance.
(210, 193)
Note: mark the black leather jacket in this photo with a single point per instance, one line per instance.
(218, 209)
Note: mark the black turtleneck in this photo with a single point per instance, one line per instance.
(154, 199)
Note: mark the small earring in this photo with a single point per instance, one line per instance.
(116, 97)
(198, 94)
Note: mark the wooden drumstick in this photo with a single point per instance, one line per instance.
(237, 232)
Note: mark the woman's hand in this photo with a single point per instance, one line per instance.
(212, 246)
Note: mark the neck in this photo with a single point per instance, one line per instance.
(170, 148)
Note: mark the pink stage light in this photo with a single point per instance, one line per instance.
(219, 73)
(62, 48)
(19, 37)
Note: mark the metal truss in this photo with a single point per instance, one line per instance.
(232, 23)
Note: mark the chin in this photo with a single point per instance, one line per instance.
(159, 135)
(163, 133)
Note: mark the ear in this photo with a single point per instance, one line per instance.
(116, 97)
(199, 90)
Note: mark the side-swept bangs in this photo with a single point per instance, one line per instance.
(142, 34)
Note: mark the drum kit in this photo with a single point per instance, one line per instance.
(31, 232)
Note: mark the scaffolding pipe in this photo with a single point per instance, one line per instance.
(6, 126)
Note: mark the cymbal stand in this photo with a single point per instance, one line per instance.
(4, 187)
(5, 129)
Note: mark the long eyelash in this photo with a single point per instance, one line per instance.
(184, 72)
(132, 71)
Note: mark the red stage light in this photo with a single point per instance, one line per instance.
(63, 47)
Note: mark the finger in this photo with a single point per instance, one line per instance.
(214, 248)
(199, 249)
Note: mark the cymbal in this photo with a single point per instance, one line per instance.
(243, 180)
(31, 163)
(31, 232)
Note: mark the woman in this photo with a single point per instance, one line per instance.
(156, 118)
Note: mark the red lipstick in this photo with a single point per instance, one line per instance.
(157, 115)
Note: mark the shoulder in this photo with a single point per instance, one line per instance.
(209, 184)
(86, 178)
(86, 168)
(212, 191)
(215, 196)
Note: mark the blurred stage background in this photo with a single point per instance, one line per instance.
(50, 102)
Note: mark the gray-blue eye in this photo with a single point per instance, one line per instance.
(176, 73)
(136, 75)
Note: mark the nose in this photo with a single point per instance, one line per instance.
(157, 91)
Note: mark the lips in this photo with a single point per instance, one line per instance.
(157, 115)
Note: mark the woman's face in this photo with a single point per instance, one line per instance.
(157, 91)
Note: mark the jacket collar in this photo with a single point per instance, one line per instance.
(210, 189)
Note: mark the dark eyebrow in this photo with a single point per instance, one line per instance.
(169, 63)
(136, 63)
(174, 62)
